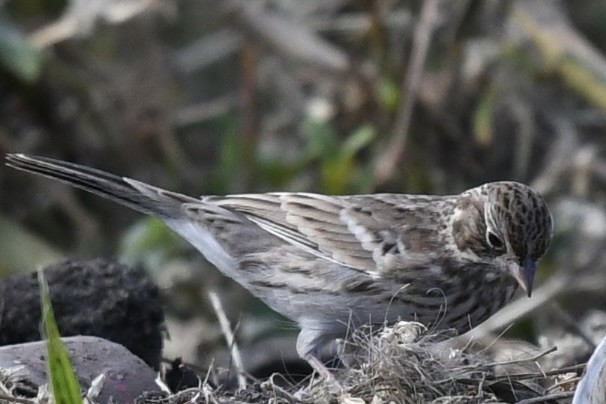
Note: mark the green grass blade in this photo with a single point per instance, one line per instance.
(64, 384)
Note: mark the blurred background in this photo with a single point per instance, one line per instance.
(331, 96)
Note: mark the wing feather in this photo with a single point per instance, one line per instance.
(365, 233)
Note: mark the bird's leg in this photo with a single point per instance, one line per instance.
(322, 370)
(308, 343)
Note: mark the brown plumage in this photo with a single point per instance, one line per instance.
(332, 262)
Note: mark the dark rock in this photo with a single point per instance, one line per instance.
(100, 298)
(180, 377)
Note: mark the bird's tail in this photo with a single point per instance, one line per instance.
(134, 194)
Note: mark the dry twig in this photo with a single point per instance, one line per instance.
(229, 337)
(388, 160)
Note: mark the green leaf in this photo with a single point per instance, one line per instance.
(338, 170)
(388, 94)
(231, 157)
(149, 242)
(358, 140)
(321, 139)
(16, 53)
(277, 172)
(482, 118)
(336, 174)
(63, 382)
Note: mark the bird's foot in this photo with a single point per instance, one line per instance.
(324, 372)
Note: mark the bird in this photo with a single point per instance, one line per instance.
(333, 262)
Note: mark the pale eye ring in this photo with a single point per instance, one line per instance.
(494, 241)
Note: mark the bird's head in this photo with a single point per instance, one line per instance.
(506, 224)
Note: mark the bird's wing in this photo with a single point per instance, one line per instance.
(369, 233)
(372, 233)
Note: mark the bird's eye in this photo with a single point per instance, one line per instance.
(494, 241)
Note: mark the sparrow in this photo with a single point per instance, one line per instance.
(331, 262)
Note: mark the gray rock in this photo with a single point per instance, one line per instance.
(126, 376)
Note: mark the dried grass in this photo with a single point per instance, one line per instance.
(407, 363)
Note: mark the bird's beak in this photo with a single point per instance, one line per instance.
(524, 274)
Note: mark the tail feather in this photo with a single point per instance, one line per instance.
(134, 194)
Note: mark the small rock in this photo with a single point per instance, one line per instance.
(125, 375)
